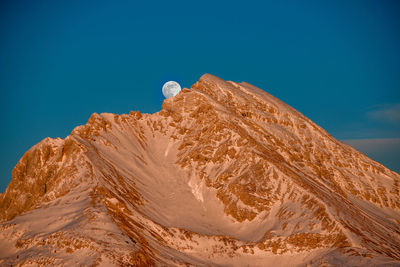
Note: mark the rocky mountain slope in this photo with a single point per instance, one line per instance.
(224, 175)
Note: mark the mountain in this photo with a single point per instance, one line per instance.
(224, 175)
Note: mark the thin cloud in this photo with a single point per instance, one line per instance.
(386, 113)
(384, 150)
(375, 144)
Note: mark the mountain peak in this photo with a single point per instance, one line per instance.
(224, 174)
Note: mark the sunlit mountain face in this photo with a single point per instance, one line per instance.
(224, 175)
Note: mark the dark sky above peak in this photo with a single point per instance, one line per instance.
(337, 62)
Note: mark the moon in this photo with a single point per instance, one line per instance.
(170, 89)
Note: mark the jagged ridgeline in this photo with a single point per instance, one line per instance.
(224, 175)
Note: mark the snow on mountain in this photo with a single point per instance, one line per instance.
(224, 175)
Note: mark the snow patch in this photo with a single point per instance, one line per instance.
(197, 188)
(168, 148)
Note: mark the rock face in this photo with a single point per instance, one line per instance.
(224, 175)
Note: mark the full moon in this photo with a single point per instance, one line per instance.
(171, 88)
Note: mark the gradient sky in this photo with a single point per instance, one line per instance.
(337, 62)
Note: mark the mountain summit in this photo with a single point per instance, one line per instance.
(224, 175)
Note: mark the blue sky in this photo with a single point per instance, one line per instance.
(337, 62)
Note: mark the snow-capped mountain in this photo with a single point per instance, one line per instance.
(224, 175)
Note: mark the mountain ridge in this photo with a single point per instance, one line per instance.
(224, 174)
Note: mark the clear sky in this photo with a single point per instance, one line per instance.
(337, 62)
